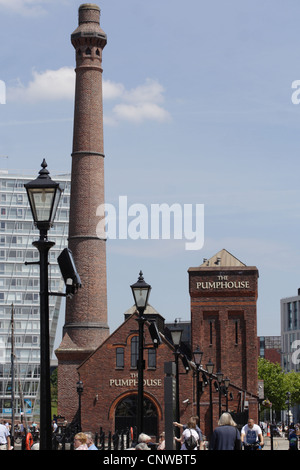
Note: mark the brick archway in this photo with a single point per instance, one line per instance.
(127, 416)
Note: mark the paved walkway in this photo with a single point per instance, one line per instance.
(279, 443)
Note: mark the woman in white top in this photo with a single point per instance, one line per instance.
(189, 431)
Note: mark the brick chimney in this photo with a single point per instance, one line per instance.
(85, 325)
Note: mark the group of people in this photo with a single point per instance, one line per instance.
(28, 436)
(226, 435)
(84, 441)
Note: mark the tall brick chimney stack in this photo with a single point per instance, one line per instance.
(86, 313)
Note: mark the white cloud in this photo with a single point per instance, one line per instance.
(145, 102)
(45, 86)
(112, 90)
(140, 112)
(151, 92)
(142, 103)
(25, 7)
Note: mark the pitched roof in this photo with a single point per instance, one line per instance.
(222, 258)
(149, 310)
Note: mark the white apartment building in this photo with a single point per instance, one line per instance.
(290, 332)
(19, 292)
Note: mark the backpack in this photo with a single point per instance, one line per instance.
(190, 442)
(293, 442)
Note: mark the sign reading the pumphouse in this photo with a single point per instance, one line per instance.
(222, 282)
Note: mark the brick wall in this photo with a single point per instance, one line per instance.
(105, 385)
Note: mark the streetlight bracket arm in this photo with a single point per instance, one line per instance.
(58, 294)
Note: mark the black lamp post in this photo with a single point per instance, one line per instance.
(197, 359)
(220, 379)
(288, 396)
(141, 291)
(44, 195)
(226, 383)
(210, 369)
(176, 338)
(79, 388)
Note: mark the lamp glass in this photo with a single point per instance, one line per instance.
(198, 356)
(44, 202)
(44, 196)
(141, 291)
(226, 382)
(176, 336)
(210, 367)
(140, 296)
(219, 376)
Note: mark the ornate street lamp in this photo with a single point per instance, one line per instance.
(141, 291)
(44, 195)
(79, 388)
(176, 335)
(220, 379)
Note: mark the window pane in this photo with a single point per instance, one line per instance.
(152, 358)
(120, 357)
(134, 351)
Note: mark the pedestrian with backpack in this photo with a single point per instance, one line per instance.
(189, 438)
(184, 426)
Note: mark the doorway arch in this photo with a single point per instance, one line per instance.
(126, 414)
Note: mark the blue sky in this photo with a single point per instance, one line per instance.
(197, 110)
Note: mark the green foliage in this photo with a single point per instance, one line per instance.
(53, 385)
(277, 383)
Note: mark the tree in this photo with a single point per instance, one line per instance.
(53, 385)
(277, 383)
(292, 384)
(274, 383)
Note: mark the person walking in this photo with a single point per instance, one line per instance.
(293, 439)
(4, 438)
(252, 436)
(184, 426)
(80, 441)
(226, 436)
(189, 438)
(162, 442)
(90, 441)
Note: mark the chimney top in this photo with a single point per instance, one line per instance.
(89, 6)
(89, 26)
(89, 13)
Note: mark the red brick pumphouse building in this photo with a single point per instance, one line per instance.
(223, 294)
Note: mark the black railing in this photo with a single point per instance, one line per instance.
(63, 439)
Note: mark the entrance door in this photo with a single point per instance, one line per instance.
(126, 415)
